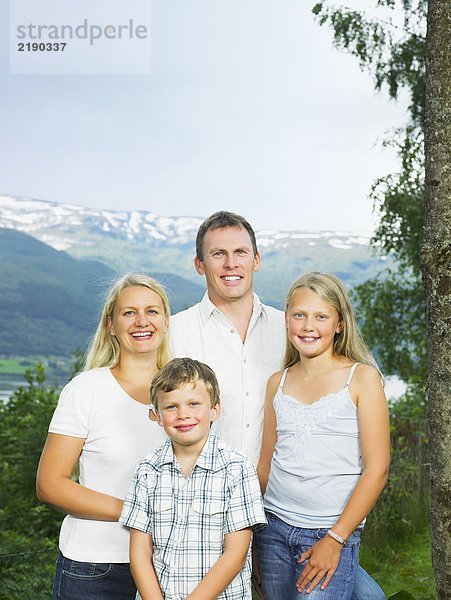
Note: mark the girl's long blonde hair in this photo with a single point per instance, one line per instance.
(349, 342)
(104, 350)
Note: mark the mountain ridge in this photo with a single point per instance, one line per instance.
(50, 302)
(138, 223)
(144, 241)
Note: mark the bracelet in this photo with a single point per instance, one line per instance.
(336, 537)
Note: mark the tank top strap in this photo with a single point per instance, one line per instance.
(351, 373)
(282, 379)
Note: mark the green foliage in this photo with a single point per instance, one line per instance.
(393, 309)
(396, 543)
(78, 362)
(28, 575)
(394, 54)
(392, 306)
(25, 418)
(401, 505)
(392, 314)
(398, 199)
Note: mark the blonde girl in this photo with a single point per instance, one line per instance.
(101, 422)
(325, 451)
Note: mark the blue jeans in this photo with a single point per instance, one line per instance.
(365, 588)
(279, 546)
(92, 581)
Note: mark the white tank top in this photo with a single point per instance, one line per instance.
(317, 460)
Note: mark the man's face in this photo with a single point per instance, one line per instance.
(228, 265)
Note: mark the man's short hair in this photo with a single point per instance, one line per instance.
(219, 220)
(180, 371)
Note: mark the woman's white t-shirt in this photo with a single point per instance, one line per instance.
(117, 433)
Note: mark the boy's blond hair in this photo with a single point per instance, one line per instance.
(180, 371)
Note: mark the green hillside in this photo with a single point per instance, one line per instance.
(49, 301)
(281, 267)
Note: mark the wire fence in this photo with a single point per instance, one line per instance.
(27, 575)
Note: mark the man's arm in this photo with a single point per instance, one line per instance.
(226, 568)
(141, 565)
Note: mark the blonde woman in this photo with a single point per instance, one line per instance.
(325, 451)
(101, 421)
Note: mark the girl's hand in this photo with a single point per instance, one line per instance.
(324, 557)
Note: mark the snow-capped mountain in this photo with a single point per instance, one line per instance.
(145, 241)
(58, 225)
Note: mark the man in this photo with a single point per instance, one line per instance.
(240, 338)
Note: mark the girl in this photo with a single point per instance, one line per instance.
(325, 452)
(101, 421)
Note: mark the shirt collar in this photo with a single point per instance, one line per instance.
(167, 454)
(207, 308)
(207, 458)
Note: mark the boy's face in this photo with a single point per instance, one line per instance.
(185, 414)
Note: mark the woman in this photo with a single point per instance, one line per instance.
(101, 422)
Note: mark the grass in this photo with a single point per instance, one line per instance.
(57, 368)
(402, 566)
(14, 366)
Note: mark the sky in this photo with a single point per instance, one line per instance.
(247, 107)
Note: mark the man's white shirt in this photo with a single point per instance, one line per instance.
(202, 332)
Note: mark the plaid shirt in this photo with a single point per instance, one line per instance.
(188, 517)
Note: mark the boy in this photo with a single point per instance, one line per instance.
(194, 502)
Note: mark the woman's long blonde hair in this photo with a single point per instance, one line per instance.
(349, 342)
(104, 350)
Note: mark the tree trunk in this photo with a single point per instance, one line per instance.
(436, 261)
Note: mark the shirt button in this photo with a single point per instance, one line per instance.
(247, 393)
(247, 424)
(244, 360)
(232, 331)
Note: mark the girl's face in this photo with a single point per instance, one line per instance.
(311, 323)
(138, 321)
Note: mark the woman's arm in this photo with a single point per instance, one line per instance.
(375, 447)
(141, 565)
(55, 486)
(269, 432)
(227, 567)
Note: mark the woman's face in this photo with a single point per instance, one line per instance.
(139, 321)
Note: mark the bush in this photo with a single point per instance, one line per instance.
(25, 418)
(402, 504)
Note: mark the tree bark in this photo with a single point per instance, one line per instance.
(436, 261)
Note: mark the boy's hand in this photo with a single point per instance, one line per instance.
(324, 557)
(226, 568)
(141, 551)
